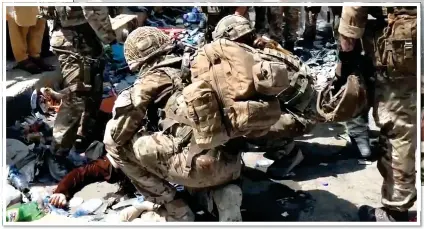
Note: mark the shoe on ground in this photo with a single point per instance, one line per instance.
(41, 64)
(28, 66)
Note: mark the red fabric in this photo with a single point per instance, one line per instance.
(96, 171)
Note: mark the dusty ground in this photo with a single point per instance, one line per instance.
(335, 186)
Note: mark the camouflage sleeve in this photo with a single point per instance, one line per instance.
(98, 18)
(148, 89)
(353, 21)
(126, 122)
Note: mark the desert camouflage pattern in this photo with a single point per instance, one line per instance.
(96, 16)
(76, 46)
(142, 51)
(269, 22)
(299, 116)
(232, 27)
(152, 160)
(143, 44)
(395, 109)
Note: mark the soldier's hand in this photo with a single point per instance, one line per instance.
(347, 44)
(58, 200)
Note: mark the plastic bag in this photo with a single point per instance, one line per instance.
(13, 196)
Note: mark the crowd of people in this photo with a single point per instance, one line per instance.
(193, 111)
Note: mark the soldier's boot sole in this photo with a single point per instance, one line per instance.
(178, 210)
(228, 201)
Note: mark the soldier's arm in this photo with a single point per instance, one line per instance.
(98, 18)
(149, 88)
(353, 21)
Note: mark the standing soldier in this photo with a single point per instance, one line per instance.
(77, 39)
(395, 103)
(273, 16)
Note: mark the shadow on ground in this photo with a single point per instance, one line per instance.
(265, 200)
(324, 130)
(325, 160)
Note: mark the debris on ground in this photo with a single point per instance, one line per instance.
(28, 143)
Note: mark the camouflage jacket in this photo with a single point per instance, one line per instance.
(354, 18)
(153, 87)
(96, 16)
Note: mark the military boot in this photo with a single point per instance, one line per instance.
(358, 132)
(178, 210)
(228, 201)
(369, 214)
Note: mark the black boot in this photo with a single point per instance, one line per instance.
(369, 214)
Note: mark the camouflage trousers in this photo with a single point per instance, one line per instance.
(270, 20)
(396, 114)
(78, 110)
(153, 160)
(279, 141)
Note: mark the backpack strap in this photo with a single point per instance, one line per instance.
(192, 152)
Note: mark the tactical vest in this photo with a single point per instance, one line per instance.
(127, 115)
(397, 47)
(297, 98)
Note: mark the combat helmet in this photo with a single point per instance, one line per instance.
(232, 27)
(143, 44)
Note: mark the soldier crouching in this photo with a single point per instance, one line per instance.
(154, 152)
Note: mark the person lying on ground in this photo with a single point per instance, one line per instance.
(96, 171)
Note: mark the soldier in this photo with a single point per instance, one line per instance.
(294, 122)
(273, 15)
(394, 105)
(215, 13)
(154, 152)
(357, 128)
(77, 40)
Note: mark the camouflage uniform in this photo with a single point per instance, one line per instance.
(152, 158)
(298, 117)
(395, 107)
(76, 41)
(269, 22)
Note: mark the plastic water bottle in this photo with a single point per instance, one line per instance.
(53, 210)
(18, 181)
